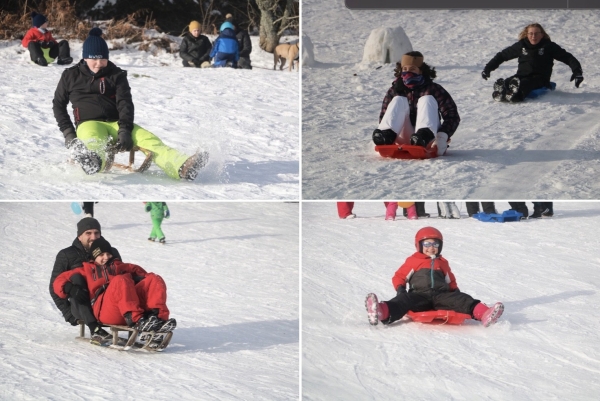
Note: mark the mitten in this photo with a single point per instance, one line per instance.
(400, 290)
(578, 77)
(485, 74)
(71, 319)
(167, 214)
(78, 293)
(148, 208)
(124, 141)
(69, 135)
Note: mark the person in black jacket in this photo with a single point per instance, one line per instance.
(245, 44)
(103, 109)
(195, 47)
(412, 107)
(77, 306)
(536, 54)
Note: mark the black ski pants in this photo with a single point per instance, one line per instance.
(424, 301)
(82, 311)
(473, 208)
(60, 50)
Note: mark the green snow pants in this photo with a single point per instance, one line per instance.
(156, 230)
(97, 134)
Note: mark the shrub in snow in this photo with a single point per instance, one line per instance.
(308, 54)
(386, 45)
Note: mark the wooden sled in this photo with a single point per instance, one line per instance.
(438, 317)
(110, 160)
(407, 151)
(124, 344)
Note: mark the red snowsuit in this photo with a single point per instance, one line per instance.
(113, 291)
(34, 35)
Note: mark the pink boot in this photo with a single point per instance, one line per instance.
(390, 210)
(487, 315)
(412, 213)
(376, 310)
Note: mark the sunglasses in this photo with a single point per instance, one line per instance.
(429, 244)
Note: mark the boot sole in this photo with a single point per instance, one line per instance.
(495, 315)
(372, 312)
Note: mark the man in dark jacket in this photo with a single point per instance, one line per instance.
(104, 116)
(195, 47)
(536, 54)
(77, 306)
(244, 42)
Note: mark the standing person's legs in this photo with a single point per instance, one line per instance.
(472, 208)
(396, 119)
(88, 209)
(345, 209)
(520, 207)
(390, 210)
(156, 229)
(488, 207)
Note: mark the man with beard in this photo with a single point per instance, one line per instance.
(77, 306)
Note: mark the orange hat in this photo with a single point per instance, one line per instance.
(411, 60)
(195, 25)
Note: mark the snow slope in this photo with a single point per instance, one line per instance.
(546, 272)
(232, 274)
(545, 148)
(247, 120)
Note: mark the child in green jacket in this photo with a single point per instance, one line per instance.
(158, 211)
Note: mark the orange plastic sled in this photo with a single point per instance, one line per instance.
(438, 317)
(406, 151)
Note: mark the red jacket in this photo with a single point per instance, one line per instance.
(34, 35)
(97, 277)
(425, 274)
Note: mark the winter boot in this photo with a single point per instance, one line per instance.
(189, 169)
(488, 315)
(167, 325)
(443, 212)
(390, 210)
(64, 60)
(421, 210)
(422, 137)
(512, 91)
(350, 216)
(162, 241)
(41, 61)
(385, 137)
(412, 212)
(151, 239)
(100, 336)
(499, 90)
(371, 303)
(89, 161)
(150, 323)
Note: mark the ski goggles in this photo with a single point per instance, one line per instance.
(431, 244)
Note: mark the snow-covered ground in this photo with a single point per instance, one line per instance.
(546, 272)
(544, 148)
(249, 122)
(232, 275)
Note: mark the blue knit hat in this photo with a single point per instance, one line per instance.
(38, 19)
(94, 46)
(226, 25)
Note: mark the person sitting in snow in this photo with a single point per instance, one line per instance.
(225, 51)
(431, 286)
(120, 293)
(536, 54)
(104, 114)
(244, 44)
(76, 306)
(43, 48)
(195, 48)
(411, 108)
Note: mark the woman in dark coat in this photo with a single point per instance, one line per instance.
(195, 47)
(536, 54)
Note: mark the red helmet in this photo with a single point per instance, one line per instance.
(428, 232)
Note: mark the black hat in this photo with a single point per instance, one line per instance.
(94, 46)
(87, 223)
(99, 246)
(38, 20)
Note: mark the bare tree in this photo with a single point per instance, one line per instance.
(275, 17)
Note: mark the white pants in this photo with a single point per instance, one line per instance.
(397, 117)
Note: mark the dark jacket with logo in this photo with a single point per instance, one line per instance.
(535, 60)
(68, 259)
(195, 49)
(245, 44)
(105, 96)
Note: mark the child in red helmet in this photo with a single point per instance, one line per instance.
(431, 285)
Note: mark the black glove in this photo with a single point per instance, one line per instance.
(69, 135)
(71, 319)
(400, 290)
(78, 293)
(578, 77)
(124, 141)
(485, 74)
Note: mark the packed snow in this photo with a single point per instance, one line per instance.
(543, 148)
(546, 346)
(248, 121)
(232, 275)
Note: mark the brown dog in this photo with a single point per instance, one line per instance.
(286, 52)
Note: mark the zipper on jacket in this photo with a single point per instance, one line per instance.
(432, 263)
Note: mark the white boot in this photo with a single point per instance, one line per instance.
(454, 212)
(444, 212)
(441, 140)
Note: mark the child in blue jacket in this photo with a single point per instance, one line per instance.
(226, 47)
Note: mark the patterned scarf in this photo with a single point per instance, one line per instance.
(412, 80)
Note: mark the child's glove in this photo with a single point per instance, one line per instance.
(148, 208)
(124, 141)
(69, 135)
(400, 290)
(167, 214)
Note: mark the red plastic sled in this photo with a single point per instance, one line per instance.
(406, 151)
(438, 317)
